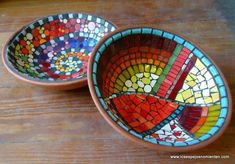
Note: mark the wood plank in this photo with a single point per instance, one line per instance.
(44, 126)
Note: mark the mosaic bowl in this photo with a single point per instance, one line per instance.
(54, 51)
(159, 89)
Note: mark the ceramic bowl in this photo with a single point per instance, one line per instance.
(159, 89)
(54, 51)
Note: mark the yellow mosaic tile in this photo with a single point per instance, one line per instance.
(208, 100)
(141, 67)
(122, 78)
(153, 69)
(186, 94)
(131, 71)
(199, 65)
(197, 94)
(119, 82)
(209, 124)
(140, 90)
(135, 86)
(191, 83)
(147, 68)
(159, 71)
(215, 97)
(194, 77)
(136, 69)
(214, 108)
(191, 100)
(124, 89)
(17, 47)
(126, 74)
(212, 119)
(134, 79)
(146, 80)
(179, 98)
(189, 78)
(146, 74)
(118, 87)
(214, 114)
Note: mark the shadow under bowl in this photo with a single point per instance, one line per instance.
(53, 51)
(159, 89)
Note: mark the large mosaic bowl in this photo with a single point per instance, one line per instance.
(54, 51)
(159, 89)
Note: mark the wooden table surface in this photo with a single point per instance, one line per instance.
(46, 126)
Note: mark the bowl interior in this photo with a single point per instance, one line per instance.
(159, 87)
(56, 48)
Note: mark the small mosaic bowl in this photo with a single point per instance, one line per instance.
(54, 51)
(159, 89)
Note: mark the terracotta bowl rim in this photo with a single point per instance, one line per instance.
(138, 140)
(78, 82)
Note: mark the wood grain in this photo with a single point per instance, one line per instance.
(46, 126)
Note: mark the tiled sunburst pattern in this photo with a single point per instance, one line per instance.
(57, 47)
